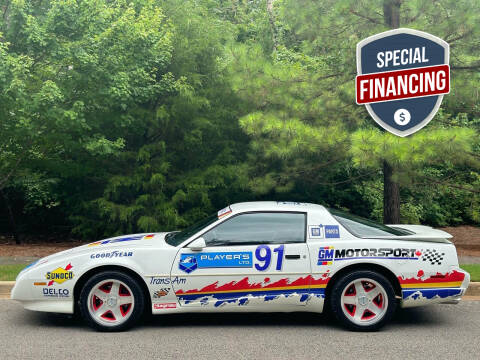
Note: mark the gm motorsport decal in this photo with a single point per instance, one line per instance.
(327, 254)
(402, 77)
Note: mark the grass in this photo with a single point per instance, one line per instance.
(474, 270)
(10, 272)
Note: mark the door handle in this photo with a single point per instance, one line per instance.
(292, 257)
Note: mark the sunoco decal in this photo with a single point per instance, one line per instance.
(59, 275)
(402, 77)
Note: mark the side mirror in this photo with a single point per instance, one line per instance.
(197, 245)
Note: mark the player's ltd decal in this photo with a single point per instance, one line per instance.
(111, 254)
(167, 280)
(59, 275)
(233, 259)
(402, 77)
(328, 254)
(323, 231)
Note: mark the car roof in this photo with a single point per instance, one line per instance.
(274, 206)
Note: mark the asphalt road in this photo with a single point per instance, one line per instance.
(435, 332)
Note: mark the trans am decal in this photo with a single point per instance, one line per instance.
(234, 259)
(439, 285)
(240, 291)
(59, 275)
(127, 238)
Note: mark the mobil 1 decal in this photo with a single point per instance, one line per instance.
(402, 77)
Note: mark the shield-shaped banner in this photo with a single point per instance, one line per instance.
(402, 77)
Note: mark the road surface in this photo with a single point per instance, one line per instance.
(435, 332)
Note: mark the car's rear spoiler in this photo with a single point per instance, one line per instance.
(419, 233)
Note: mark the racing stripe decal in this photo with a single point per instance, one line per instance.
(241, 290)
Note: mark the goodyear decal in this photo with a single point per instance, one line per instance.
(240, 291)
(59, 275)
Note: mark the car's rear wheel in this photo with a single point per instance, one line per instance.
(111, 301)
(363, 300)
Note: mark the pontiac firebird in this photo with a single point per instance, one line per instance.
(258, 257)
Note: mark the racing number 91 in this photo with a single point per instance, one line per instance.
(263, 253)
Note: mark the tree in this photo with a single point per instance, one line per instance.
(325, 34)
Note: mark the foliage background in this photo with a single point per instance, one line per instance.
(136, 116)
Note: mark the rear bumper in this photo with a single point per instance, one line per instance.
(444, 293)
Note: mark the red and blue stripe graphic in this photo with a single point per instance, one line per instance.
(242, 290)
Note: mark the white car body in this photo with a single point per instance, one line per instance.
(423, 267)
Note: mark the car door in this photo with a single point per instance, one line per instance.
(253, 259)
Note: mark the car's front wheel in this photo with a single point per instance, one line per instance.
(111, 301)
(363, 300)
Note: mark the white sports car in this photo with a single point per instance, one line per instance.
(258, 256)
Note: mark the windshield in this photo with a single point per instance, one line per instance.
(361, 227)
(177, 237)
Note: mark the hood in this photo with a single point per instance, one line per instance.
(419, 233)
(127, 241)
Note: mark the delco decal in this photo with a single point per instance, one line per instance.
(111, 254)
(327, 254)
(52, 292)
(402, 77)
(59, 275)
(238, 259)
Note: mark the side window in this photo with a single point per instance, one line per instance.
(258, 228)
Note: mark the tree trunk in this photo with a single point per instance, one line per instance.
(391, 196)
(391, 189)
(391, 13)
(11, 218)
(271, 18)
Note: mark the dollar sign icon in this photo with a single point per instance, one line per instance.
(402, 117)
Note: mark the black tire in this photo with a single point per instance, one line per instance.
(335, 300)
(137, 293)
